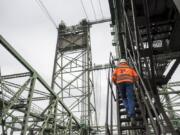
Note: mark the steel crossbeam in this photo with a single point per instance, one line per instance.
(27, 109)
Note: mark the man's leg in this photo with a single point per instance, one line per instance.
(122, 91)
(130, 98)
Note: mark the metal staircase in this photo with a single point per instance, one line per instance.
(147, 120)
(125, 123)
(146, 34)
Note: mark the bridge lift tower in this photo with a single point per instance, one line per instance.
(72, 78)
(68, 106)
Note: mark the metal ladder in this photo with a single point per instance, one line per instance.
(125, 123)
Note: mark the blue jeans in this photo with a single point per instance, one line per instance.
(126, 91)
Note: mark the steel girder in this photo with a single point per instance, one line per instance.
(20, 113)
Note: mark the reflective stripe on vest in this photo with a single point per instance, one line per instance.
(124, 73)
(124, 78)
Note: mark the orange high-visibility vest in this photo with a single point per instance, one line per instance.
(124, 73)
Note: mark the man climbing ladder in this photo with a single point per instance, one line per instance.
(124, 77)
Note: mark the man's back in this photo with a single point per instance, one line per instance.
(124, 73)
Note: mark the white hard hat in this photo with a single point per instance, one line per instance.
(122, 61)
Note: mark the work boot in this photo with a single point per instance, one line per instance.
(133, 122)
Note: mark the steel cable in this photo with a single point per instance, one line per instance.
(46, 12)
(84, 9)
(100, 5)
(94, 12)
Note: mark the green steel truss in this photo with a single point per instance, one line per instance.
(170, 95)
(26, 105)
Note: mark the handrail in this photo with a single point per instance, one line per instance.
(110, 92)
(147, 93)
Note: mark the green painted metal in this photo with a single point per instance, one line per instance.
(10, 49)
(28, 105)
(46, 114)
(48, 117)
(15, 98)
(72, 73)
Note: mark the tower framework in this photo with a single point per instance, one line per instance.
(72, 78)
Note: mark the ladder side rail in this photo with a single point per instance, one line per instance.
(147, 95)
(107, 106)
(141, 102)
(116, 98)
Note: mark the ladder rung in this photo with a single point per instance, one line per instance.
(128, 120)
(121, 101)
(122, 106)
(125, 113)
(132, 127)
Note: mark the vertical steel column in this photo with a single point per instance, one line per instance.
(111, 128)
(2, 106)
(28, 105)
(107, 107)
(89, 81)
(52, 86)
(55, 118)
